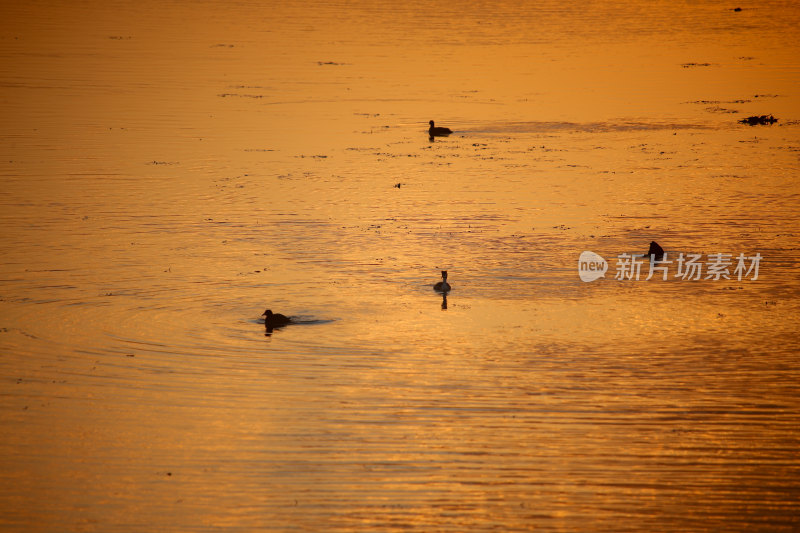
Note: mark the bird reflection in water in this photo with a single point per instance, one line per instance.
(444, 301)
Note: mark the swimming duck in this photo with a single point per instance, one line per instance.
(434, 130)
(655, 252)
(442, 286)
(275, 320)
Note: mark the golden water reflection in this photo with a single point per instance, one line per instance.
(168, 171)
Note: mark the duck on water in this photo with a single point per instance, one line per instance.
(442, 286)
(275, 320)
(656, 252)
(436, 131)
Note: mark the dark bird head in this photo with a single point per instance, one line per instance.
(267, 313)
(431, 123)
(444, 274)
(655, 250)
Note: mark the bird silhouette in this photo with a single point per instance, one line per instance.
(442, 286)
(436, 131)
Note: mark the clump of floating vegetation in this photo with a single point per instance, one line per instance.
(756, 120)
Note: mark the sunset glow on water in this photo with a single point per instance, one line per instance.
(171, 170)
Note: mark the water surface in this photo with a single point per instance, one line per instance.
(171, 170)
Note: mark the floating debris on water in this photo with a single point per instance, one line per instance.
(762, 120)
(226, 95)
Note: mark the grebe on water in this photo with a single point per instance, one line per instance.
(655, 252)
(442, 286)
(434, 130)
(275, 320)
